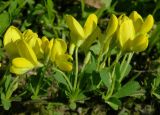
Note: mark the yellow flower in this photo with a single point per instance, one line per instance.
(46, 47)
(35, 43)
(125, 31)
(27, 59)
(141, 26)
(10, 37)
(21, 65)
(106, 38)
(79, 33)
(132, 32)
(58, 55)
(112, 26)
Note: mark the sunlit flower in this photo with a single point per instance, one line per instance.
(24, 49)
(59, 56)
(34, 41)
(10, 37)
(132, 32)
(27, 59)
(78, 33)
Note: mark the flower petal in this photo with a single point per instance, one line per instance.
(12, 34)
(137, 20)
(45, 42)
(90, 24)
(26, 51)
(140, 43)
(30, 37)
(63, 63)
(74, 26)
(59, 47)
(112, 26)
(126, 31)
(21, 66)
(38, 49)
(147, 25)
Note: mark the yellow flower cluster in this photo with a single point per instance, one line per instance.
(27, 51)
(131, 32)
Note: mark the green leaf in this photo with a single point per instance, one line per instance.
(39, 9)
(114, 103)
(95, 48)
(4, 22)
(128, 89)
(118, 71)
(105, 75)
(12, 8)
(7, 82)
(59, 77)
(4, 5)
(90, 67)
(47, 33)
(50, 10)
(125, 70)
(95, 79)
(6, 103)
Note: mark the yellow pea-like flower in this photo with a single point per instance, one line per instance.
(45, 43)
(27, 59)
(132, 32)
(137, 20)
(12, 34)
(140, 43)
(27, 52)
(78, 33)
(141, 26)
(38, 49)
(59, 47)
(63, 63)
(47, 47)
(58, 55)
(30, 37)
(147, 25)
(125, 31)
(90, 25)
(74, 26)
(36, 43)
(10, 37)
(21, 65)
(112, 26)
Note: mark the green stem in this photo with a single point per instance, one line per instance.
(82, 7)
(117, 58)
(99, 60)
(105, 59)
(39, 82)
(109, 93)
(65, 77)
(126, 66)
(76, 70)
(85, 62)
